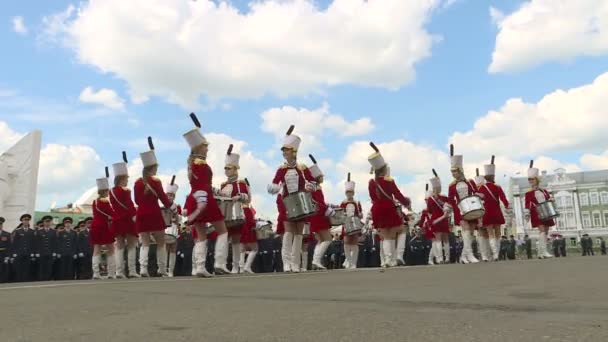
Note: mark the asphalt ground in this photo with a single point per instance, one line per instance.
(562, 299)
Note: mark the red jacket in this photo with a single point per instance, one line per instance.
(454, 198)
(357, 205)
(102, 214)
(201, 176)
(493, 195)
(303, 177)
(531, 202)
(436, 212)
(149, 217)
(389, 187)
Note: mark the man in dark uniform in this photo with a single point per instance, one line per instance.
(602, 246)
(458, 247)
(417, 249)
(5, 249)
(67, 241)
(555, 245)
(562, 246)
(23, 249)
(85, 251)
(504, 248)
(46, 249)
(512, 247)
(528, 246)
(277, 260)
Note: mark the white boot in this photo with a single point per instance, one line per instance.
(96, 260)
(489, 255)
(354, 256)
(304, 265)
(296, 252)
(467, 251)
(194, 258)
(481, 242)
(400, 249)
(250, 258)
(382, 257)
(111, 266)
(161, 261)
(131, 257)
(286, 251)
(543, 243)
(171, 264)
(388, 246)
(242, 259)
(236, 257)
(446, 252)
(347, 256)
(119, 259)
(320, 249)
(494, 249)
(143, 261)
(432, 252)
(221, 254)
(200, 257)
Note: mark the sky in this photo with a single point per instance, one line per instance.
(517, 79)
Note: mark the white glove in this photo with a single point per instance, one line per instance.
(273, 189)
(6, 260)
(310, 187)
(330, 212)
(174, 208)
(58, 255)
(14, 256)
(81, 255)
(37, 255)
(75, 256)
(54, 255)
(216, 191)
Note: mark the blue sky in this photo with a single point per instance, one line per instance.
(42, 76)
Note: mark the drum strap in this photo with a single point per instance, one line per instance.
(438, 203)
(491, 194)
(101, 211)
(151, 190)
(382, 190)
(117, 200)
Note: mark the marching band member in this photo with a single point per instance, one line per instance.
(439, 211)
(201, 206)
(237, 190)
(459, 189)
(534, 197)
(281, 218)
(101, 235)
(249, 240)
(483, 241)
(123, 219)
(149, 220)
(292, 178)
(173, 231)
(319, 223)
(352, 208)
(401, 234)
(383, 191)
(493, 217)
(425, 224)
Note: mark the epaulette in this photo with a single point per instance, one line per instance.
(199, 161)
(126, 188)
(302, 167)
(453, 182)
(242, 181)
(389, 179)
(104, 199)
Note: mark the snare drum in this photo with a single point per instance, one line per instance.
(299, 205)
(171, 234)
(233, 212)
(339, 218)
(471, 208)
(263, 230)
(546, 211)
(353, 225)
(167, 216)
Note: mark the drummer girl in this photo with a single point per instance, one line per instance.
(249, 240)
(534, 197)
(383, 191)
(493, 217)
(171, 244)
(439, 211)
(292, 178)
(149, 220)
(425, 224)
(101, 235)
(351, 242)
(238, 191)
(459, 189)
(201, 207)
(123, 220)
(319, 223)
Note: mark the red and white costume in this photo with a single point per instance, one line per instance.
(425, 224)
(439, 211)
(173, 231)
(352, 209)
(533, 198)
(320, 221)
(493, 195)
(100, 233)
(123, 221)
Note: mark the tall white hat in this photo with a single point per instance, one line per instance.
(172, 187)
(455, 160)
(194, 137)
(121, 169)
(149, 158)
(232, 159)
(376, 159)
(291, 141)
(435, 181)
(479, 180)
(349, 185)
(490, 169)
(315, 171)
(532, 171)
(104, 183)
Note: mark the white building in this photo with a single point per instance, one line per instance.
(581, 199)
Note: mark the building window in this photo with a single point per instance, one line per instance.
(584, 199)
(597, 220)
(594, 198)
(586, 220)
(606, 218)
(570, 221)
(568, 201)
(604, 197)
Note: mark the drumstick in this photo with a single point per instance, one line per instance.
(371, 143)
(230, 149)
(427, 187)
(312, 158)
(435, 173)
(290, 130)
(451, 150)
(247, 182)
(477, 172)
(150, 143)
(348, 177)
(532, 163)
(492, 161)
(195, 120)
(124, 156)
(107, 172)
(173, 180)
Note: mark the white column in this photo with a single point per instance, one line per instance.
(577, 212)
(519, 215)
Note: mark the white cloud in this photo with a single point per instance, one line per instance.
(592, 161)
(549, 31)
(8, 137)
(213, 49)
(105, 97)
(19, 26)
(562, 121)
